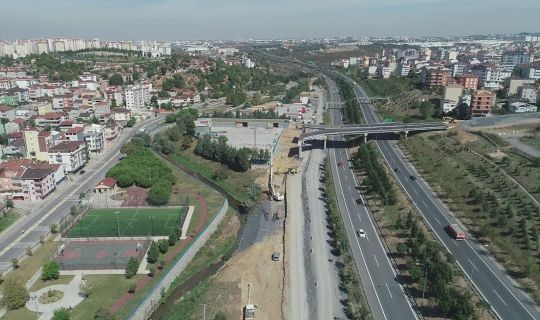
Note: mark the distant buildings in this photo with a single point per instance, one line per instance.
(436, 77)
(511, 59)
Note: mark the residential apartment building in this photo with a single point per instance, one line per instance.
(481, 102)
(137, 96)
(528, 93)
(62, 102)
(70, 154)
(521, 107)
(436, 77)
(468, 81)
(38, 183)
(403, 70)
(37, 144)
(491, 76)
(511, 59)
(530, 71)
(52, 119)
(94, 135)
(512, 85)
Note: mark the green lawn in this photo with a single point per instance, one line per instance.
(7, 220)
(235, 183)
(105, 290)
(131, 222)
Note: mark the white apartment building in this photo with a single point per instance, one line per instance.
(528, 93)
(137, 96)
(403, 70)
(530, 72)
(510, 59)
(70, 154)
(491, 76)
(94, 135)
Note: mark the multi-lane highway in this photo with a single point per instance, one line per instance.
(501, 292)
(385, 296)
(27, 231)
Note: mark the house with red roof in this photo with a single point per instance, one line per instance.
(105, 186)
(72, 155)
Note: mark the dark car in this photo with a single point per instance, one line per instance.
(359, 201)
(396, 169)
(413, 178)
(82, 172)
(340, 164)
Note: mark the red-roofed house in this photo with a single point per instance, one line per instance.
(52, 119)
(105, 186)
(72, 155)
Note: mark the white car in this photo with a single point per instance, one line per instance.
(361, 233)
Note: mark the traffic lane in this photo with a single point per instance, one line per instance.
(472, 258)
(382, 272)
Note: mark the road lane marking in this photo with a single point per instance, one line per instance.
(376, 261)
(472, 264)
(437, 220)
(424, 203)
(390, 293)
(499, 297)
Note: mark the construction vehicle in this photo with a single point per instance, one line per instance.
(455, 231)
(449, 119)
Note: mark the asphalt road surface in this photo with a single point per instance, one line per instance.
(494, 284)
(384, 294)
(27, 231)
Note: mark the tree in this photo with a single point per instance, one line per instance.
(426, 109)
(54, 228)
(15, 295)
(162, 263)
(14, 263)
(163, 246)
(84, 289)
(116, 80)
(10, 204)
(132, 288)
(132, 267)
(153, 253)
(131, 122)
(29, 251)
(61, 314)
(50, 271)
(172, 238)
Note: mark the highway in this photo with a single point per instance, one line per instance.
(384, 294)
(13, 242)
(506, 300)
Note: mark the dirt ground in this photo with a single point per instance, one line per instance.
(463, 136)
(254, 267)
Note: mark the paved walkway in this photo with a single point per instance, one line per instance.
(71, 298)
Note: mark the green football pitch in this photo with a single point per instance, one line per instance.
(128, 222)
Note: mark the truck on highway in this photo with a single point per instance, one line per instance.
(455, 231)
(249, 312)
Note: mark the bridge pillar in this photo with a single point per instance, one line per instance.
(365, 137)
(300, 143)
(406, 133)
(324, 142)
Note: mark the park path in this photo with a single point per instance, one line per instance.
(203, 204)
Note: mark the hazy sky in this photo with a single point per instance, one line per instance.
(235, 19)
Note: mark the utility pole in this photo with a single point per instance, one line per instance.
(117, 223)
(204, 311)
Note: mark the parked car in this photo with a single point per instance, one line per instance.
(82, 172)
(275, 256)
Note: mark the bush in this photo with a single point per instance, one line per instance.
(14, 263)
(61, 314)
(163, 246)
(172, 238)
(132, 288)
(15, 295)
(220, 316)
(132, 267)
(153, 253)
(50, 271)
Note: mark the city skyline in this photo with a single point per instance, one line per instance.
(212, 19)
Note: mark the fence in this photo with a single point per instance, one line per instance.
(145, 308)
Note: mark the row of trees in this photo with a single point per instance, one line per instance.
(220, 151)
(433, 269)
(376, 180)
(352, 111)
(182, 133)
(142, 168)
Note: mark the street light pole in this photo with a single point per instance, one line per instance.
(117, 223)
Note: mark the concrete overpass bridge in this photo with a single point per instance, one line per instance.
(320, 132)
